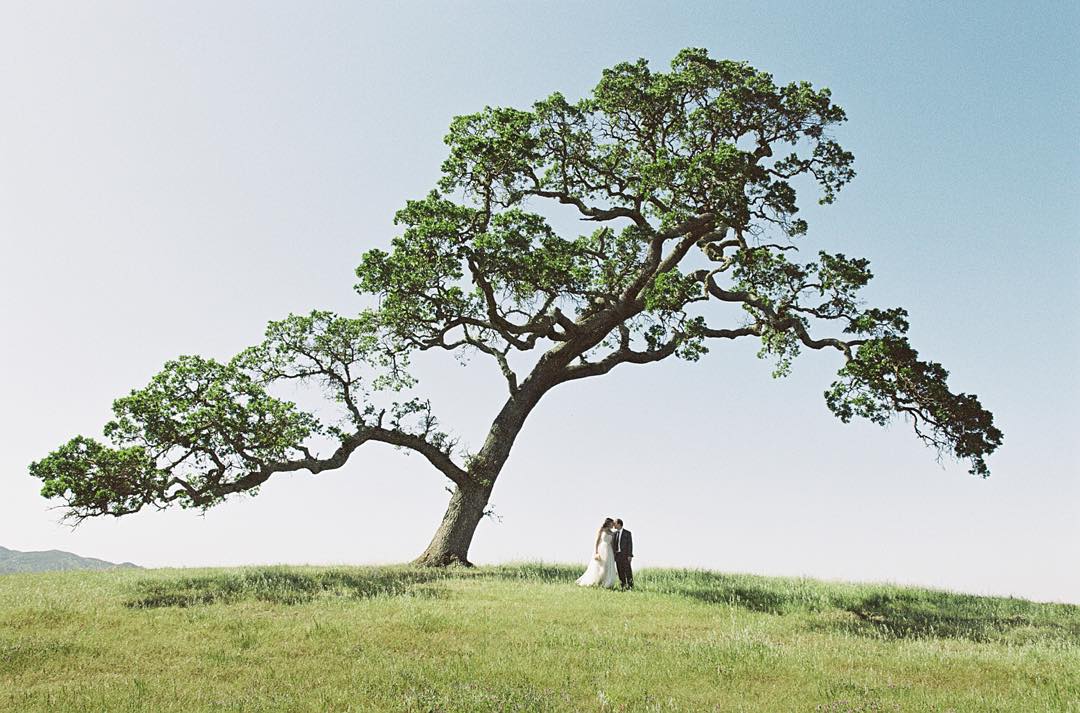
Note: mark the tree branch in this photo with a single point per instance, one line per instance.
(591, 212)
(621, 356)
(439, 458)
(774, 319)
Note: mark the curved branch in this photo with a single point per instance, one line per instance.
(731, 333)
(623, 355)
(590, 212)
(436, 456)
(539, 324)
(655, 262)
(774, 319)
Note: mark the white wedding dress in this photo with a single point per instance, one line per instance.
(601, 572)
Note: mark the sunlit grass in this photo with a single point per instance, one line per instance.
(520, 638)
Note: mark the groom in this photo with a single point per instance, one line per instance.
(624, 552)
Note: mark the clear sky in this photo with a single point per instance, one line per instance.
(173, 175)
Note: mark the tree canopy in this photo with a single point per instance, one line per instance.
(687, 182)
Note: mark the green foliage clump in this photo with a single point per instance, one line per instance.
(887, 377)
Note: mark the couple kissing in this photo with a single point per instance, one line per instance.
(613, 551)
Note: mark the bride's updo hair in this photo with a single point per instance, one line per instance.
(608, 522)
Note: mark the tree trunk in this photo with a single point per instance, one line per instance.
(450, 545)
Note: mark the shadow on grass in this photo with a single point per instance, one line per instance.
(753, 598)
(878, 611)
(283, 585)
(289, 585)
(904, 614)
(537, 572)
(768, 595)
(708, 587)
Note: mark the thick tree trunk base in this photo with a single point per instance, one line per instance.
(448, 560)
(450, 545)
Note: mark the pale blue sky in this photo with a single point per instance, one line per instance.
(173, 175)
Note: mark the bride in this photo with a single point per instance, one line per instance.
(601, 571)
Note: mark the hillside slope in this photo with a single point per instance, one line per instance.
(520, 638)
(50, 561)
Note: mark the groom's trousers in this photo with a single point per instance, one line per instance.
(626, 571)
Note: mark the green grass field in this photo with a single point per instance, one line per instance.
(520, 638)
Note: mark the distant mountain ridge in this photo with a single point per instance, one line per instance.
(12, 561)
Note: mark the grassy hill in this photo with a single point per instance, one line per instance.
(520, 638)
(49, 561)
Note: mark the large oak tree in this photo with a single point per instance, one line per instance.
(687, 183)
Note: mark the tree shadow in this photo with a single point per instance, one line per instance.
(877, 611)
(752, 598)
(529, 572)
(297, 585)
(708, 587)
(283, 585)
(902, 614)
(770, 595)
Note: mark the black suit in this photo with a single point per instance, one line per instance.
(624, 550)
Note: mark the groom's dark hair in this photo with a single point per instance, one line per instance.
(618, 521)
